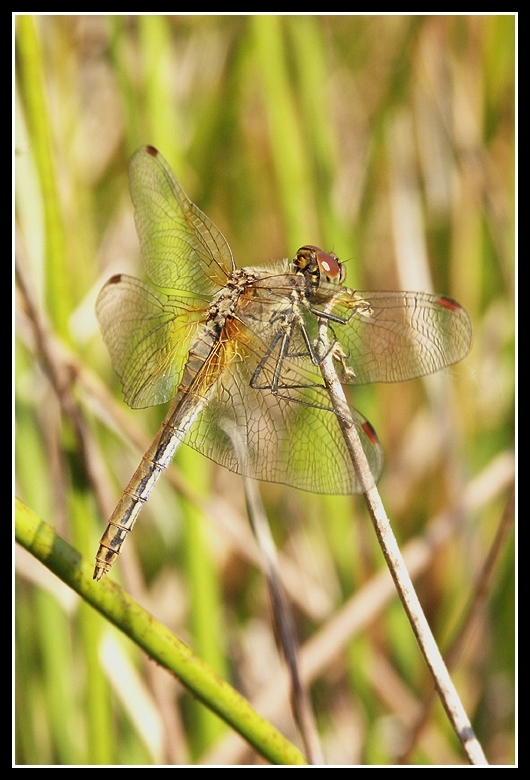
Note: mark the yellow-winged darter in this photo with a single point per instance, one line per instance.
(241, 346)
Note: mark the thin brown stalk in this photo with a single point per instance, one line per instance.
(447, 691)
(61, 378)
(284, 628)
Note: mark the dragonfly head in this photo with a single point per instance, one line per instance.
(318, 265)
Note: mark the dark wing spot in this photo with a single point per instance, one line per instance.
(369, 431)
(448, 303)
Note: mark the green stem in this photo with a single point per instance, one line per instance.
(157, 641)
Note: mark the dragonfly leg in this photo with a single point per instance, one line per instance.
(254, 381)
(361, 308)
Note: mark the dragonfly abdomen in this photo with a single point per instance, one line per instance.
(177, 423)
(135, 495)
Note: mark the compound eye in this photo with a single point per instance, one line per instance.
(330, 267)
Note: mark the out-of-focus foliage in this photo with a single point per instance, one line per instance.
(387, 140)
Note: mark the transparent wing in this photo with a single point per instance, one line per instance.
(398, 335)
(181, 248)
(291, 436)
(269, 388)
(148, 335)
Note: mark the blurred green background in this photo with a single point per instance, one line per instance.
(387, 140)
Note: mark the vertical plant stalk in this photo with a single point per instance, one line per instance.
(32, 79)
(284, 629)
(447, 691)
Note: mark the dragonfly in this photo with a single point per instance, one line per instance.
(240, 347)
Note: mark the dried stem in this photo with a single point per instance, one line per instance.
(61, 378)
(283, 621)
(394, 559)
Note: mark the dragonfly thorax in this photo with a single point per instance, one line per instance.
(224, 304)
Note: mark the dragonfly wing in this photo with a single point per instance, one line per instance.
(291, 436)
(181, 247)
(400, 335)
(148, 335)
